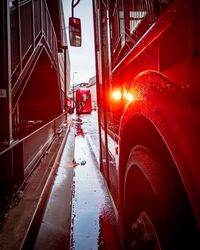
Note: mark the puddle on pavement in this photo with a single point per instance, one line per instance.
(93, 221)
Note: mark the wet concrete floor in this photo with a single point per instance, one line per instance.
(94, 224)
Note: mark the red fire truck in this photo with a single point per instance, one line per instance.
(148, 84)
(83, 101)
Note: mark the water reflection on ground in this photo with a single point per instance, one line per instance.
(93, 218)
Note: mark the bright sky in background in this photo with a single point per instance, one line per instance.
(82, 58)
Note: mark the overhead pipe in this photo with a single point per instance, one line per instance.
(74, 5)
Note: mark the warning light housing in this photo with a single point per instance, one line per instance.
(123, 96)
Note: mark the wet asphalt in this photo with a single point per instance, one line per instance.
(93, 224)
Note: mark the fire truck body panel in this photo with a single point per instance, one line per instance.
(156, 116)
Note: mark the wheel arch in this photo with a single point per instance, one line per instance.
(150, 114)
(134, 138)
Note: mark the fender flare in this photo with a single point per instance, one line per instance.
(158, 101)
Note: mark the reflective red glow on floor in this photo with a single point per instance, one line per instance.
(94, 223)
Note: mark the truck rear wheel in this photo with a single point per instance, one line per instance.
(157, 214)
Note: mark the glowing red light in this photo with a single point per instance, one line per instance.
(117, 95)
(129, 97)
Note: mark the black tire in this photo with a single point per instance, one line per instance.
(157, 214)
